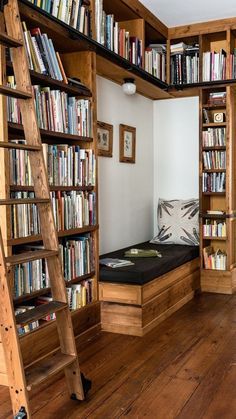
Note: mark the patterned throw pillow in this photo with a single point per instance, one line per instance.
(178, 222)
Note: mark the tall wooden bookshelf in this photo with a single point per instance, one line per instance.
(224, 200)
(80, 64)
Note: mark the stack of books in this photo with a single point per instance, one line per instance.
(217, 98)
(72, 210)
(213, 137)
(214, 228)
(155, 60)
(75, 13)
(214, 160)
(214, 259)
(41, 54)
(214, 66)
(55, 110)
(79, 295)
(184, 63)
(213, 182)
(66, 166)
(109, 34)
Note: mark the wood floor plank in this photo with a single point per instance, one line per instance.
(179, 369)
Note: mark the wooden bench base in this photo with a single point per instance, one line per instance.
(136, 309)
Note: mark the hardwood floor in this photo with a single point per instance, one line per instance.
(184, 368)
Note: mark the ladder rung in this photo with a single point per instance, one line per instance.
(24, 201)
(37, 313)
(46, 368)
(16, 146)
(8, 41)
(18, 94)
(30, 256)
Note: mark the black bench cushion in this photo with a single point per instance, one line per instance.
(147, 269)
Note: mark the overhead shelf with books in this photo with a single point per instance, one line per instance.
(114, 63)
(217, 191)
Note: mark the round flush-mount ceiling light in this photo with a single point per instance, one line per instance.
(129, 87)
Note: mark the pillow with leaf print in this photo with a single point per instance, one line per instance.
(178, 222)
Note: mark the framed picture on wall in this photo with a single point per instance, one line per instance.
(105, 139)
(127, 144)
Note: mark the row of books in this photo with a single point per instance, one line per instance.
(117, 39)
(214, 159)
(75, 13)
(55, 110)
(214, 228)
(74, 209)
(214, 259)
(79, 295)
(30, 277)
(232, 65)
(214, 66)
(41, 54)
(77, 257)
(184, 63)
(213, 182)
(155, 60)
(214, 137)
(66, 166)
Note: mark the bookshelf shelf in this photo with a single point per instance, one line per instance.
(64, 233)
(47, 81)
(214, 193)
(214, 238)
(60, 137)
(214, 170)
(43, 291)
(215, 125)
(214, 148)
(16, 188)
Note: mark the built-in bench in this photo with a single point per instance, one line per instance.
(138, 297)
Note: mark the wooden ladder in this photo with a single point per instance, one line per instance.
(22, 379)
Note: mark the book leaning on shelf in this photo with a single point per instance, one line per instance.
(80, 295)
(71, 210)
(41, 54)
(75, 13)
(55, 111)
(66, 166)
(214, 259)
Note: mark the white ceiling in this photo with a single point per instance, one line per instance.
(182, 12)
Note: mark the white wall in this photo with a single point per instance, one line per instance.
(125, 190)
(176, 150)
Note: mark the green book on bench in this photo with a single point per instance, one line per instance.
(141, 253)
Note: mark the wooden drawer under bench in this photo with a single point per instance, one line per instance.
(136, 309)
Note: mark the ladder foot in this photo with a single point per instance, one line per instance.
(21, 414)
(87, 384)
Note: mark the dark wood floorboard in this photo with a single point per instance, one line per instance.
(185, 368)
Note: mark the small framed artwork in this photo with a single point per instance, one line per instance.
(105, 139)
(127, 144)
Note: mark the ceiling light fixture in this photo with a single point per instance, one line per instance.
(129, 87)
